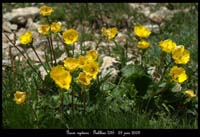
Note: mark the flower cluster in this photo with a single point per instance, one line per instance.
(109, 33)
(88, 64)
(54, 27)
(180, 56)
(61, 76)
(142, 32)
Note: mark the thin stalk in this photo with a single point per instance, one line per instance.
(46, 59)
(62, 103)
(99, 41)
(39, 58)
(84, 102)
(84, 98)
(33, 67)
(72, 99)
(34, 114)
(65, 47)
(165, 68)
(126, 52)
(81, 46)
(51, 41)
(73, 48)
(11, 58)
(98, 82)
(50, 51)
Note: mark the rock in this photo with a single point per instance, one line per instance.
(30, 25)
(131, 58)
(62, 57)
(121, 38)
(6, 51)
(20, 15)
(177, 88)
(42, 72)
(6, 62)
(89, 45)
(161, 15)
(109, 66)
(154, 28)
(151, 70)
(8, 27)
(141, 8)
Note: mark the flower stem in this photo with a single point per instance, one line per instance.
(73, 48)
(38, 58)
(164, 71)
(72, 101)
(51, 43)
(65, 47)
(50, 51)
(34, 114)
(62, 103)
(84, 98)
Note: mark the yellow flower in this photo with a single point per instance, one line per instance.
(45, 10)
(189, 93)
(70, 36)
(82, 61)
(92, 55)
(61, 76)
(178, 74)
(181, 55)
(71, 64)
(84, 79)
(109, 33)
(56, 27)
(26, 38)
(142, 31)
(44, 29)
(19, 97)
(143, 44)
(91, 68)
(167, 45)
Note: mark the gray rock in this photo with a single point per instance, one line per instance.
(42, 72)
(161, 15)
(30, 25)
(121, 38)
(6, 62)
(108, 66)
(20, 15)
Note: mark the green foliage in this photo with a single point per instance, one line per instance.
(135, 99)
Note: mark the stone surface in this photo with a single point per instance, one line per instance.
(8, 27)
(108, 66)
(20, 15)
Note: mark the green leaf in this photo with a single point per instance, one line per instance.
(132, 70)
(162, 85)
(166, 108)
